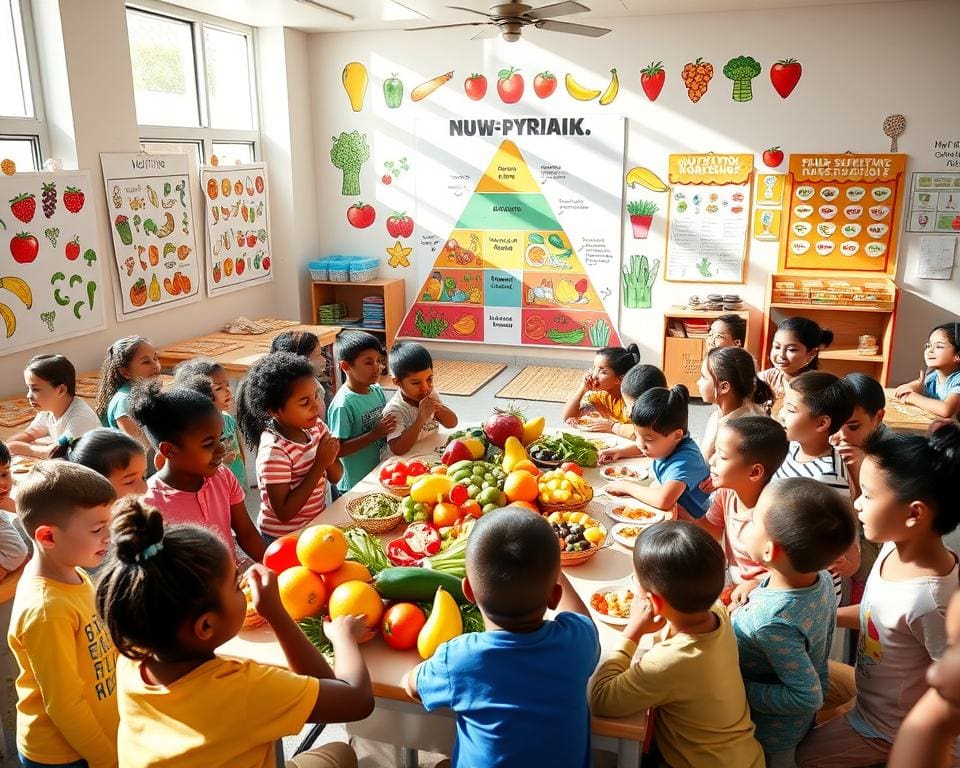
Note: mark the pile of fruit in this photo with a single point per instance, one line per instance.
(400, 475)
(577, 531)
(564, 486)
(487, 442)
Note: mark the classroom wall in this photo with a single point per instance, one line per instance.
(860, 63)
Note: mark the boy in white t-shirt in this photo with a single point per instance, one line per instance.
(417, 407)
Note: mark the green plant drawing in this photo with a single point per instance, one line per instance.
(638, 282)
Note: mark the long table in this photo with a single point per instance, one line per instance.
(905, 417)
(399, 720)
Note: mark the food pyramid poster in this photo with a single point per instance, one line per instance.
(508, 273)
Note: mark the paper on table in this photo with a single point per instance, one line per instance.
(936, 257)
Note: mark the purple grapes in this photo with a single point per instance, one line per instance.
(49, 199)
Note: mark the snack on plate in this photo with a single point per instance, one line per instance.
(635, 512)
(376, 505)
(612, 604)
(623, 472)
(626, 534)
(252, 620)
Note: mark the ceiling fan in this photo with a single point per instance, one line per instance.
(509, 19)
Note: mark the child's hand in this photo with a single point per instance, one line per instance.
(643, 619)
(427, 407)
(326, 451)
(346, 629)
(911, 387)
(617, 488)
(595, 425)
(741, 594)
(386, 425)
(264, 593)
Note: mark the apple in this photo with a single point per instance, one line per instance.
(509, 85)
(361, 215)
(475, 86)
(544, 84)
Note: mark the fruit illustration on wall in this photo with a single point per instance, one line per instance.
(613, 88)
(510, 85)
(785, 74)
(399, 225)
(72, 249)
(24, 207)
(138, 293)
(348, 153)
(475, 86)
(393, 92)
(361, 215)
(24, 248)
(399, 255)
(73, 199)
(355, 84)
(644, 177)
(48, 198)
(652, 78)
(544, 85)
(696, 77)
(742, 70)
(426, 88)
(582, 93)
(393, 169)
(772, 157)
(21, 290)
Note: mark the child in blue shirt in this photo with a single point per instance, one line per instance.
(660, 416)
(519, 689)
(355, 415)
(939, 390)
(800, 526)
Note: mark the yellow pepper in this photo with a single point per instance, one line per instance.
(445, 623)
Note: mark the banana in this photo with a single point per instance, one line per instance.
(19, 288)
(152, 194)
(9, 319)
(612, 90)
(644, 177)
(578, 91)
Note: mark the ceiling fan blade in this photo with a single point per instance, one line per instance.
(490, 31)
(469, 10)
(556, 9)
(571, 29)
(448, 26)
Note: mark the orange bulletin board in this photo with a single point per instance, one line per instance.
(843, 212)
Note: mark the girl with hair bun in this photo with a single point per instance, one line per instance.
(598, 405)
(795, 349)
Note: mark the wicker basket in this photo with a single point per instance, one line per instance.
(374, 525)
(546, 508)
(570, 559)
(396, 490)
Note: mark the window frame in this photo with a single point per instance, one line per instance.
(205, 136)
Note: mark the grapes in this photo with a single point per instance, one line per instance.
(49, 199)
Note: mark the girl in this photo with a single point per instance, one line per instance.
(116, 456)
(796, 348)
(939, 390)
(728, 378)
(727, 331)
(907, 504)
(599, 401)
(52, 390)
(170, 596)
(306, 344)
(278, 412)
(128, 360)
(193, 486)
(635, 382)
(219, 386)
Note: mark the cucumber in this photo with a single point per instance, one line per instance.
(556, 241)
(535, 238)
(417, 585)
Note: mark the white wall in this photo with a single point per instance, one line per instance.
(860, 63)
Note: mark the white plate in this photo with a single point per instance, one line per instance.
(638, 473)
(615, 620)
(616, 532)
(613, 503)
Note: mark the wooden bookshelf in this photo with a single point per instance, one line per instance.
(682, 356)
(352, 295)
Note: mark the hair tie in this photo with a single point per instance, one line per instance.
(64, 441)
(149, 552)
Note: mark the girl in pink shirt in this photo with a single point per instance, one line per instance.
(193, 486)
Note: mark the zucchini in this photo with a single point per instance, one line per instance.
(535, 238)
(417, 585)
(556, 241)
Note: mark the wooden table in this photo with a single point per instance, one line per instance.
(904, 417)
(398, 719)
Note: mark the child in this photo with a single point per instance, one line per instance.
(356, 414)
(728, 378)
(505, 683)
(277, 410)
(660, 416)
(938, 391)
(691, 676)
(599, 400)
(306, 344)
(795, 348)
(128, 360)
(727, 331)
(193, 485)
(235, 459)
(867, 417)
(416, 404)
(66, 687)
(635, 382)
(52, 390)
(170, 596)
(116, 456)
(907, 503)
(13, 549)
(750, 449)
(784, 633)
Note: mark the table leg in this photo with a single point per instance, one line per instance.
(411, 758)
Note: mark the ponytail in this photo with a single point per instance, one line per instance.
(619, 359)
(266, 388)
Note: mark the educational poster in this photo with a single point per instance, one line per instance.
(238, 229)
(51, 278)
(934, 203)
(768, 210)
(708, 218)
(525, 216)
(154, 237)
(843, 211)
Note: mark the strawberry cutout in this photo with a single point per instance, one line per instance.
(24, 207)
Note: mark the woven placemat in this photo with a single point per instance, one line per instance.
(14, 412)
(210, 348)
(550, 385)
(242, 326)
(460, 378)
(88, 386)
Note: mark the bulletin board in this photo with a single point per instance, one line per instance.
(843, 212)
(934, 203)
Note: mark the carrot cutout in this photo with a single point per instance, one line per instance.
(425, 89)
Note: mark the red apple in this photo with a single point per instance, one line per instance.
(772, 157)
(361, 215)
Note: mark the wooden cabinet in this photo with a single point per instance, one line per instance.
(352, 295)
(682, 356)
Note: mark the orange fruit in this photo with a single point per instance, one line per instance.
(527, 466)
(356, 598)
(470, 508)
(520, 486)
(349, 571)
(525, 505)
(322, 548)
(445, 514)
(302, 592)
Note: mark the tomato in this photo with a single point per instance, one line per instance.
(402, 624)
(470, 508)
(727, 591)
(509, 85)
(398, 478)
(282, 554)
(569, 466)
(544, 84)
(445, 514)
(459, 494)
(475, 86)
(417, 468)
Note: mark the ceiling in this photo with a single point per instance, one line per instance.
(388, 14)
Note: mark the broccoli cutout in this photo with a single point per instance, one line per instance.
(742, 70)
(349, 152)
(703, 267)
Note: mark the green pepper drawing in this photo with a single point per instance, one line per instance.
(122, 224)
(393, 91)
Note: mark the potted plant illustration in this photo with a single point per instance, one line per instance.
(641, 217)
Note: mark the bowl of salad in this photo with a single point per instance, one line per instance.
(375, 512)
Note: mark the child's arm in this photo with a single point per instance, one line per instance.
(927, 734)
(447, 418)
(248, 537)
(408, 438)
(13, 549)
(661, 497)
(848, 617)
(130, 427)
(608, 455)
(410, 683)
(287, 503)
(797, 690)
(569, 599)
(30, 448)
(946, 408)
(354, 444)
(571, 409)
(335, 472)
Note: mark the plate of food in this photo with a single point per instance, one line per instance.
(623, 472)
(626, 534)
(633, 512)
(611, 604)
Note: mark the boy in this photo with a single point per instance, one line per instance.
(867, 418)
(416, 404)
(356, 415)
(66, 688)
(13, 549)
(691, 676)
(506, 683)
(784, 633)
(749, 451)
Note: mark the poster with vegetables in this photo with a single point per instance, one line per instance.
(238, 228)
(708, 218)
(154, 238)
(519, 232)
(842, 212)
(934, 203)
(51, 270)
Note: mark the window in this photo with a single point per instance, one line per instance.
(22, 131)
(194, 83)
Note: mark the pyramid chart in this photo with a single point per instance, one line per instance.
(508, 273)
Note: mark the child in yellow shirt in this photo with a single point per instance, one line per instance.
(597, 405)
(66, 686)
(170, 597)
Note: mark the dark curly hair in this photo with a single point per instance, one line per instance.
(266, 388)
